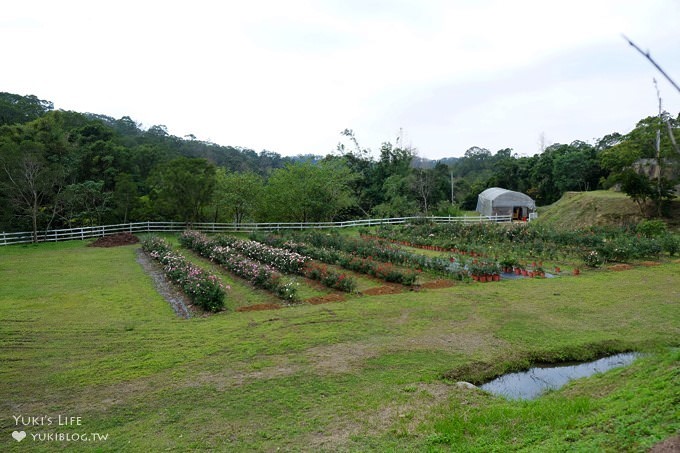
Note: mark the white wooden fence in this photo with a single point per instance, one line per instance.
(67, 234)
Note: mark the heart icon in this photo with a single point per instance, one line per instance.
(19, 435)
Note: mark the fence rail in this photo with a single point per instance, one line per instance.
(67, 234)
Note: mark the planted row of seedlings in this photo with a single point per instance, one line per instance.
(462, 264)
(203, 288)
(592, 246)
(481, 267)
(482, 262)
(263, 265)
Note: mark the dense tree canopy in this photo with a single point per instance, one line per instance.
(183, 188)
(16, 109)
(61, 169)
(306, 192)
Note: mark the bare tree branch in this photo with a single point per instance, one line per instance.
(649, 57)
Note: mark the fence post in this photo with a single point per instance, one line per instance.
(4, 238)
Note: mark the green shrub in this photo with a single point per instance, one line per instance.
(651, 228)
(670, 244)
(593, 259)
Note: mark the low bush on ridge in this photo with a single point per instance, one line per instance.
(203, 288)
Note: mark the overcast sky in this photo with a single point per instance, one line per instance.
(288, 76)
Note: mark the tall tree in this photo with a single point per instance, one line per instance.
(423, 184)
(237, 195)
(576, 168)
(392, 183)
(30, 181)
(183, 188)
(306, 192)
(125, 196)
(642, 155)
(85, 203)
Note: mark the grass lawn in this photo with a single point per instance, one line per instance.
(84, 334)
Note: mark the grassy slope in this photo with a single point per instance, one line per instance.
(599, 207)
(83, 333)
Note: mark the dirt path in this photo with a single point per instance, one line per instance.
(178, 301)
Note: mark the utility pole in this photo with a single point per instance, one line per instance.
(658, 150)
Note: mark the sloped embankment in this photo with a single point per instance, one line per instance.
(583, 209)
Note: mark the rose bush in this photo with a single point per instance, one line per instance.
(203, 288)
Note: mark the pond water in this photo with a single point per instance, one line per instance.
(531, 384)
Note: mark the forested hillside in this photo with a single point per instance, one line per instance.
(66, 169)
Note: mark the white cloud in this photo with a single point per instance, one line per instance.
(288, 76)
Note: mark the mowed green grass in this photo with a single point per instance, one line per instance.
(83, 333)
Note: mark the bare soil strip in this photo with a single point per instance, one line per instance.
(115, 240)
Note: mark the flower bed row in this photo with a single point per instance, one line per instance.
(333, 248)
(285, 260)
(593, 246)
(329, 277)
(258, 274)
(375, 249)
(384, 271)
(203, 288)
(459, 250)
(369, 266)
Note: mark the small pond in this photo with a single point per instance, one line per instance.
(531, 384)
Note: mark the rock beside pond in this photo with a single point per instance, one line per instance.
(465, 385)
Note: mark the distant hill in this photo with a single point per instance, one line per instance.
(424, 162)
